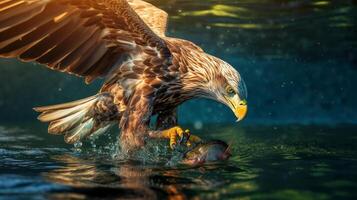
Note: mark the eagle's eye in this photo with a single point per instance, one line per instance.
(230, 91)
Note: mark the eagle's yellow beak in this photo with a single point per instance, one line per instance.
(241, 110)
(239, 107)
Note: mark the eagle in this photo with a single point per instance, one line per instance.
(146, 74)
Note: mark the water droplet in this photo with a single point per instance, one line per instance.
(78, 144)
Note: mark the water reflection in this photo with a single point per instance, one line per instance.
(91, 177)
(114, 180)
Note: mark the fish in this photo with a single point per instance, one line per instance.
(207, 152)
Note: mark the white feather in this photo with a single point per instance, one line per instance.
(48, 116)
(66, 123)
(80, 132)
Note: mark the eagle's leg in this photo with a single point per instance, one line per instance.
(166, 126)
(134, 123)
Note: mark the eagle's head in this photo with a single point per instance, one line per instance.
(228, 87)
(219, 81)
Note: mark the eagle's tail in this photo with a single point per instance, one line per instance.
(79, 119)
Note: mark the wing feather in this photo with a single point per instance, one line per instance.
(87, 38)
(16, 47)
(15, 32)
(154, 17)
(109, 59)
(8, 18)
(68, 45)
(74, 57)
(93, 57)
(49, 42)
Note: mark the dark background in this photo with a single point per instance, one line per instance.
(298, 58)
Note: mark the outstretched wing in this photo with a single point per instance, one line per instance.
(82, 37)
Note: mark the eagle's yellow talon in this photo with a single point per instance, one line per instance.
(194, 139)
(176, 132)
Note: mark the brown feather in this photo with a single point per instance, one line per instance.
(100, 68)
(68, 45)
(89, 58)
(93, 59)
(71, 59)
(49, 42)
(24, 43)
(59, 33)
(19, 16)
(22, 28)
